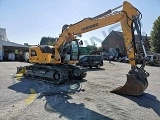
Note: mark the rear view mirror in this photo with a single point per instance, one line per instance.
(80, 42)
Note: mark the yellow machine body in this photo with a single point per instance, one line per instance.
(129, 16)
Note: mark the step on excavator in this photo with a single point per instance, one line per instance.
(57, 63)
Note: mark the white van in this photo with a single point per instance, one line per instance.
(11, 56)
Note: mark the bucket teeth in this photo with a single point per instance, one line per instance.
(134, 86)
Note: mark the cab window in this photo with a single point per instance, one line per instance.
(33, 53)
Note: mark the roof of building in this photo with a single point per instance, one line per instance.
(120, 34)
(4, 41)
(8, 43)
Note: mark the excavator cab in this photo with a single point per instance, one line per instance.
(70, 51)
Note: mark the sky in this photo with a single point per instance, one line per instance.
(27, 21)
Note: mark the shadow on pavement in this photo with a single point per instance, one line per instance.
(58, 98)
(146, 100)
(153, 65)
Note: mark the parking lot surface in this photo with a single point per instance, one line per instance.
(89, 99)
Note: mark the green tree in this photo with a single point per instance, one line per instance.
(47, 41)
(16, 51)
(155, 36)
(99, 48)
(83, 51)
(91, 48)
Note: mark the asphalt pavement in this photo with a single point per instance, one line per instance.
(88, 99)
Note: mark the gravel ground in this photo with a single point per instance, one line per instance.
(89, 99)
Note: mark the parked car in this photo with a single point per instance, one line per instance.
(153, 60)
(91, 61)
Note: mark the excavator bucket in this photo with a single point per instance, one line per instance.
(134, 86)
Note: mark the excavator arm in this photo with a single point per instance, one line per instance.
(129, 17)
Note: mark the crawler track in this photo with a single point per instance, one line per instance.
(55, 74)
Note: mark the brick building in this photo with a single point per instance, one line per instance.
(115, 40)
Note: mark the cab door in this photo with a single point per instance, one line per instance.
(74, 50)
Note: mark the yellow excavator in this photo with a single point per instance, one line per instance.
(57, 63)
